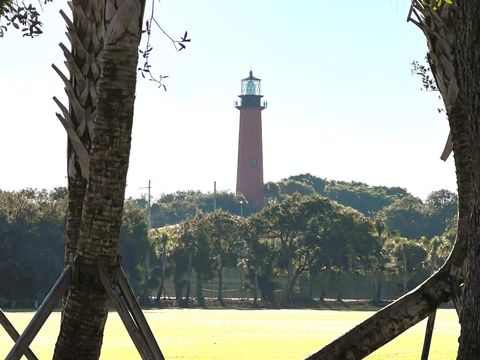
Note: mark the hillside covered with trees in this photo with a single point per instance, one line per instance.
(315, 238)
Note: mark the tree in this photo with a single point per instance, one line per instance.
(201, 255)
(317, 183)
(284, 226)
(466, 27)
(222, 232)
(310, 234)
(411, 218)
(347, 243)
(441, 206)
(362, 197)
(406, 217)
(160, 239)
(103, 64)
(257, 259)
(182, 205)
(180, 250)
(304, 184)
(31, 242)
(190, 250)
(138, 257)
(408, 258)
(292, 228)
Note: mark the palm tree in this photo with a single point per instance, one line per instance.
(104, 35)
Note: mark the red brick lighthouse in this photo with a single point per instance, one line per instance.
(250, 157)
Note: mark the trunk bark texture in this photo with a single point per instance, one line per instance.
(82, 91)
(119, 27)
(467, 52)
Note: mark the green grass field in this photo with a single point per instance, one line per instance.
(246, 334)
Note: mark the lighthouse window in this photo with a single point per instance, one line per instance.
(254, 162)
(250, 88)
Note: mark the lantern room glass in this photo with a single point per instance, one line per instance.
(251, 85)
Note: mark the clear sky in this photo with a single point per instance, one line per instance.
(342, 103)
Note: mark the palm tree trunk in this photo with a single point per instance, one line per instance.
(255, 287)
(310, 287)
(188, 282)
(199, 290)
(378, 282)
(220, 287)
(287, 293)
(339, 284)
(85, 310)
(179, 284)
(81, 89)
(291, 281)
(162, 290)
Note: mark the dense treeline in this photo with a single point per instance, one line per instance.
(302, 235)
(309, 227)
(32, 232)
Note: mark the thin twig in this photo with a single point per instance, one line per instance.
(178, 44)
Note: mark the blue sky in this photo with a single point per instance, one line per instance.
(342, 103)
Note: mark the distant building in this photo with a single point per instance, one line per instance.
(250, 155)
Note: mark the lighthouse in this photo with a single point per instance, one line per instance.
(250, 155)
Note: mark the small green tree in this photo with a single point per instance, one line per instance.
(222, 232)
(257, 259)
(292, 227)
(180, 252)
(137, 251)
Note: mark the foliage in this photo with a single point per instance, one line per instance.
(257, 259)
(291, 229)
(309, 234)
(182, 205)
(21, 16)
(296, 235)
(424, 71)
(411, 218)
(179, 45)
(276, 192)
(362, 197)
(137, 252)
(317, 183)
(32, 227)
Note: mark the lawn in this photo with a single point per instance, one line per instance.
(246, 334)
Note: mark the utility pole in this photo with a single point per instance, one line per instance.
(149, 202)
(149, 226)
(214, 196)
(405, 273)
